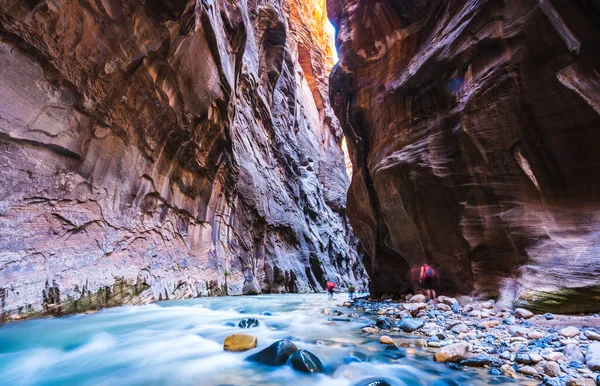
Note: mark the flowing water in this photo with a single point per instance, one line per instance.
(181, 343)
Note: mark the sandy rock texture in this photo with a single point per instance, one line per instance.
(153, 150)
(473, 130)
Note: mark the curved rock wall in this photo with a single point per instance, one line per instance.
(473, 127)
(153, 150)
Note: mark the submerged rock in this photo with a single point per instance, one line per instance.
(306, 362)
(276, 354)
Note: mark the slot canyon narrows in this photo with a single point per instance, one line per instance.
(312, 192)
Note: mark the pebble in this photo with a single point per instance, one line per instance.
(592, 335)
(409, 324)
(509, 371)
(581, 382)
(417, 299)
(551, 369)
(569, 332)
(386, 340)
(452, 353)
(573, 353)
(523, 313)
(528, 370)
(369, 330)
(489, 324)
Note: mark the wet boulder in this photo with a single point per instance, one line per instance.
(378, 382)
(392, 351)
(239, 342)
(248, 323)
(276, 354)
(306, 362)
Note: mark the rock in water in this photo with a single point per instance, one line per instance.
(248, 323)
(592, 357)
(240, 342)
(386, 340)
(452, 353)
(276, 354)
(376, 382)
(306, 362)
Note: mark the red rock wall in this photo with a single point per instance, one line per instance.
(153, 150)
(473, 127)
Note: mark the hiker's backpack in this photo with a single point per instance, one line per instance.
(429, 272)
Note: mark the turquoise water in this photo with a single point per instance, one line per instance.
(181, 343)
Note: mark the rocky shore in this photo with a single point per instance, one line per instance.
(553, 350)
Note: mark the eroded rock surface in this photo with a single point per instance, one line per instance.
(153, 150)
(473, 130)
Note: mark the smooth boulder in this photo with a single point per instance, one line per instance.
(240, 342)
(307, 362)
(276, 354)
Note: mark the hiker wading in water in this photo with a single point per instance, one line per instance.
(428, 280)
(330, 287)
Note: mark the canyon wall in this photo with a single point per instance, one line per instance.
(473, 127)
(167, 149)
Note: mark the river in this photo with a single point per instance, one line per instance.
(181, 343)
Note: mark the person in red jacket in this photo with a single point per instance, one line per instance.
(428, 280)
(330, 287)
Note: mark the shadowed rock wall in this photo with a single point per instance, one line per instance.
(167, 149)
(473, 127)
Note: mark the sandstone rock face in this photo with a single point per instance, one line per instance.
(473, 131)
(153, 150)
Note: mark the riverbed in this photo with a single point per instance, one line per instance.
(181, 343)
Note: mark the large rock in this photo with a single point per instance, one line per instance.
(592, 357)
(157, 150)
(276, 354)
(409, 324)
(306, 362)
(473, 129)
(452, 353)
(239, 342)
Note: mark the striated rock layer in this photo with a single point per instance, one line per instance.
(153, 150)
(473, 127)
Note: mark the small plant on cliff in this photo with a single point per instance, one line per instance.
(226, 273)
